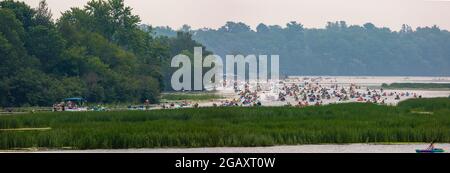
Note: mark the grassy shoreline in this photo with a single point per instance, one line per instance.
(232, 127)
(191, 96)
(418, 86)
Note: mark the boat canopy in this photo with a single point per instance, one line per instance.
(75, 99)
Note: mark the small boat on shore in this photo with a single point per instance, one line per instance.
(430, 149)
(434, 150)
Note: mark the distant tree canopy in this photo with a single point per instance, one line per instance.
(99, 52)
(338, 49)
(181, 43)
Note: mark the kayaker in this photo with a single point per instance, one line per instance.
(431, 147)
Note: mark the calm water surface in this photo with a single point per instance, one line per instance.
(347, 148)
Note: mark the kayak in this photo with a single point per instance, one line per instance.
(434, 150)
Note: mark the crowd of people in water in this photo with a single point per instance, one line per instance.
(310, 93)
(287, 93)
(314, 93)
(301, 95)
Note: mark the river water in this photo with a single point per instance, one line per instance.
(345, 148)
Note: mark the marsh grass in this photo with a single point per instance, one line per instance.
(234, 126)
(417, 86)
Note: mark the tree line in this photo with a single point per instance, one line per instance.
(337, 49)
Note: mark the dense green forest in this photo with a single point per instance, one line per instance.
(99, 52)
(103, 53)
(337, 49)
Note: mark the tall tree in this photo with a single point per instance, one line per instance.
(43, 14)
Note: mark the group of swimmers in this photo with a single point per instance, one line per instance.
(303, 94)
(314, 93)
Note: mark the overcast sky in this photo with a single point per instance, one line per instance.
(311, 13)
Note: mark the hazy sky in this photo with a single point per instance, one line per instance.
(311, 13)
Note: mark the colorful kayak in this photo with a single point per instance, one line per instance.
(434, 150)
